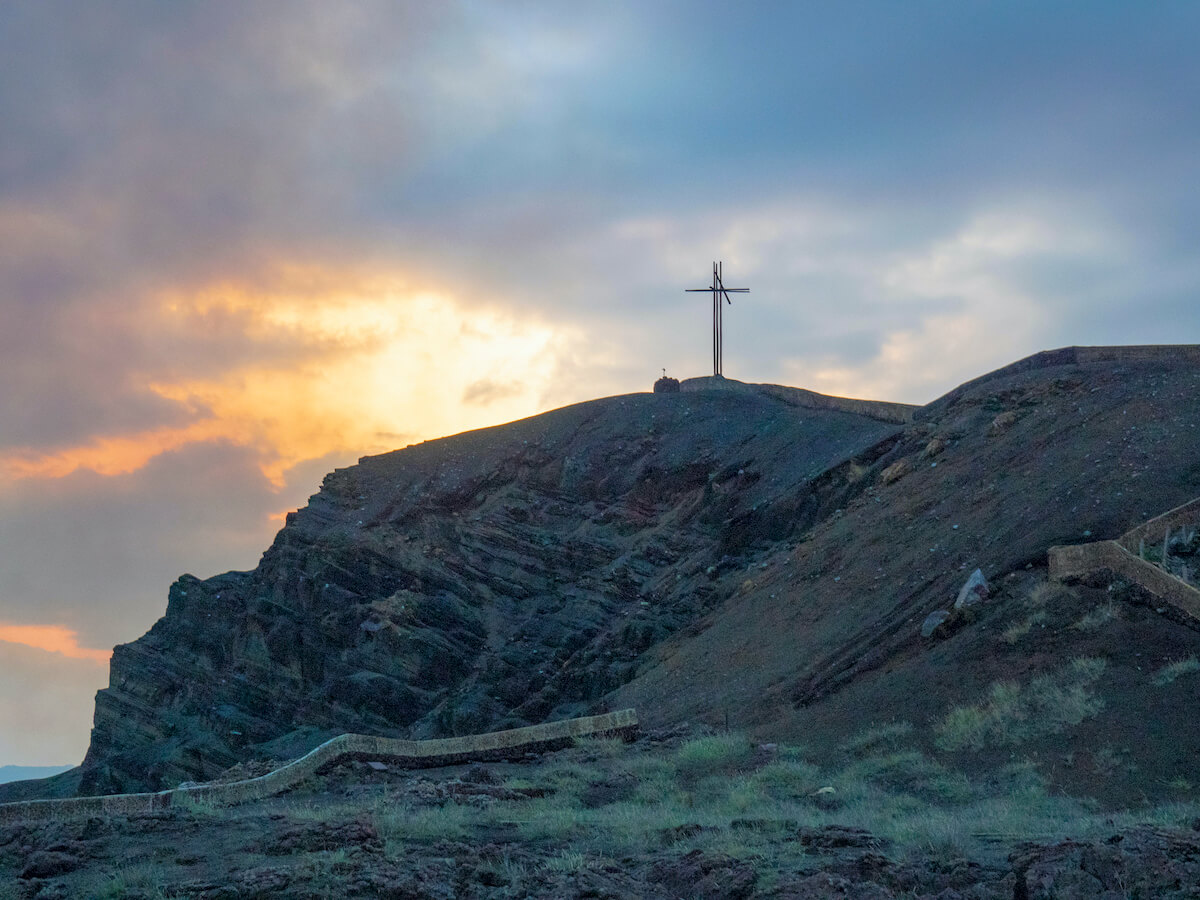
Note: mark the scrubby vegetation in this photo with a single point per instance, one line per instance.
(1174, 670)
(767, 812)
(1013, 713)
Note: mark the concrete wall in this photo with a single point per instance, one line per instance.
(898, 413)
(412, 754)
(1154, 530)
(1085, 560)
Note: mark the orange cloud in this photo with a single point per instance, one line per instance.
(53, 639)
(106, 455)
(375, 358)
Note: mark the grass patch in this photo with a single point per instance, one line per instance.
(1018, 630)
(569, 861)
(1049, 592)
(423, 824)
(140, 880)
(714, 755)
(591, 748)
(788, 780)
(199, 806)
(1098, 616)
(1013, 714)
(878, 737)
(1171, 671)
(709, 795)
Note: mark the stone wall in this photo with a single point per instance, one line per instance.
(412, 754)
(1154, 530)
(1112, 559)
(898, 413)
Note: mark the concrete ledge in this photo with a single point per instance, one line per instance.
(896, 413)
(413, 754)
(1155, 529)
(1082, 561)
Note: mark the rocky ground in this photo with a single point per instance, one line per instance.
(673, 815)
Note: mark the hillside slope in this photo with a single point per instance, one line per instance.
(820, 637)
(488, 580)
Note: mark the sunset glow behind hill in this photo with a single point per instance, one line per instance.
(243, 245)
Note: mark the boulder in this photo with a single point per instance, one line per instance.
(933, 621)
(975, 591)
(896, 471)
(49, 863)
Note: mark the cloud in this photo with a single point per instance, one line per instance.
(487, 391)
(53, 639)
(345, 357)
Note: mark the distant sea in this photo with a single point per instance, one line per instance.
(20, 773)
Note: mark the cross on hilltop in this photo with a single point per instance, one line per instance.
(718, 290)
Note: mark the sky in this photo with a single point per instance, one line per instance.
(242, 244)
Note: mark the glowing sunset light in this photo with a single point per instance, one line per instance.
(117, 455)
(388, 364)
(369, 372)
(53, 639)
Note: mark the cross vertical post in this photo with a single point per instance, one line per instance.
(718, 290)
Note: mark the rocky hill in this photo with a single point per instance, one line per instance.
(492, 579)
(727, 554)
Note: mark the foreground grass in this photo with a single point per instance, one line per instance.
(722, 793)
(605, 805)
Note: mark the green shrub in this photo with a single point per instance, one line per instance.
(134, 880)
(910, 772)
(1018, 630)
(1012, 714)
(569, 861)
(715, 755)
(426, 823)
(964, 728)
(871, 740)
(1171, 671)
(555, 818)
(1098, 616)
(786, 780)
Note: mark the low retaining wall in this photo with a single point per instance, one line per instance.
(896, 413)
(1082, 561)
(414, 754)
(1155, 529)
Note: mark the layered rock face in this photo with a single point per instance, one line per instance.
(489, 580)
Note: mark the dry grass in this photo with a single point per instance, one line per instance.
(1013, 714)
(1177, 669)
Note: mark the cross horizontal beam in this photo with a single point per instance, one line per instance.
(718, 290)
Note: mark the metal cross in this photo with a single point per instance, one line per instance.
(718, 290)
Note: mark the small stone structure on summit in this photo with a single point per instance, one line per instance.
(666, 384)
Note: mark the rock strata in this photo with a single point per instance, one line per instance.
(490, 580)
